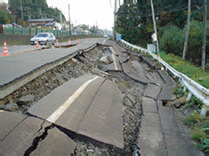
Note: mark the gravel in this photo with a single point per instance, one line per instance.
(86, 63)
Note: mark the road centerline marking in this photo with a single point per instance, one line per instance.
(58, 112)
(104, 41)
(114, 60)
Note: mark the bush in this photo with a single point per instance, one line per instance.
(3, 17)
(200, 130)
(195, 73)
(198, 134)
(194, 52)
(172, 40)
(193, 119)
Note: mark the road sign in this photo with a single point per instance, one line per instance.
(119, 37)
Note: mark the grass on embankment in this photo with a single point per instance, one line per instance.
(199, 130)
(195, 73)
(199, 127)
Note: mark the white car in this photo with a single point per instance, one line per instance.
(105, 36)
(44, 38)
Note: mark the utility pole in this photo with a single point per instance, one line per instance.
(21, 9)
(60, 18)
(115, 10)
(69, 19)
(61, 25)
(40, 13)
(187, 30)
(155, 27)
(204, 35)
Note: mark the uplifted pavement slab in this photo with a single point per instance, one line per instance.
(55, 144)
(132, 73)
(152, 91)
(149, 105)
(50, 103)
(9, 121)
(103, 121)
(151, 141)
(76, 113)
(167, 87)
(23, 135)
(96, 112)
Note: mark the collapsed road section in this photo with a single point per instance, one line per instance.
(92, 103)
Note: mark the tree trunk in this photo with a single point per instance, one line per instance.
(204, 35)
(187, 30)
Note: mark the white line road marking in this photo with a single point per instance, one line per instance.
(114, 60)
(57, 113)
(104, 41)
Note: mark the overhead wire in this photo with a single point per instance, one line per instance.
(148, 14)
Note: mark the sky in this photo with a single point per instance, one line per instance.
(89, 12)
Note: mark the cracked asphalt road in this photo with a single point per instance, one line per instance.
(89, 107)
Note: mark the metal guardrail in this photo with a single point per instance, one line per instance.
(193, 87)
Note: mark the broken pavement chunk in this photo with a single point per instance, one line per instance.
(24, 100)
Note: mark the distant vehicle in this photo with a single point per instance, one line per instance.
(44, 38)
(105, 36)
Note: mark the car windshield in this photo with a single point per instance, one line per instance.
(41, 35)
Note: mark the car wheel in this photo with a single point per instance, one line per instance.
(47, 43)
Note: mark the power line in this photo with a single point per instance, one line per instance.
(175, 7)
(158, 13)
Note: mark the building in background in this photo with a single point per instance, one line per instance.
(45, 22)
(4, 5)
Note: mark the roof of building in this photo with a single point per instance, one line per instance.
(40, 20)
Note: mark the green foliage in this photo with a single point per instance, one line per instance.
(193, 119)
(129, 24)
(179, 90)
(204, 144)
(172, 40)
(198, 134)
(195, 42)
(33, 9)
(3, 17)
(187, 68)
(199, 131)
(196, 101)
(135, 24)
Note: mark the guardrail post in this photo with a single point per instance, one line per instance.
(193, 87)
(189, 96)
(204, 111)
(185, 89)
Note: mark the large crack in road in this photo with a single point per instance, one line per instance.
(92, 62)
